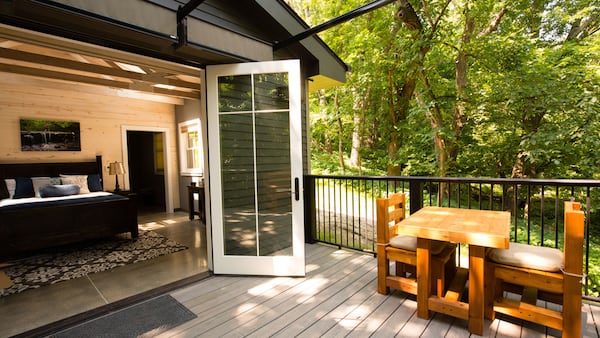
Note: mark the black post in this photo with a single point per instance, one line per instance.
(117, 189)
(310, 218)
(100, 169)
(416, 196)
(182, 13)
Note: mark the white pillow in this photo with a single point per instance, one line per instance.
(11, 185)
(39, 182)
(80, 180)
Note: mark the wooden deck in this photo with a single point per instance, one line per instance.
(336, 298)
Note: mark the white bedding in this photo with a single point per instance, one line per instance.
(8, 201)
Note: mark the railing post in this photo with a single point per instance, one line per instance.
(416, 196)
(310, 214)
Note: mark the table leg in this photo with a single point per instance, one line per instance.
(191, 203)
(201, 208)
(423, 277)
(476, 289)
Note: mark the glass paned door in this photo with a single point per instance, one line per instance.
(256, 167)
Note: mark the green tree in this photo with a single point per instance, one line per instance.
(463, 88)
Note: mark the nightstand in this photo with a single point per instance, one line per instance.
(194, 189)
(126, 193)
(129, 194)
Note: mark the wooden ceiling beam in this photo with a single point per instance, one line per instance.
(50, 74)
(96, 69)
(16, 80)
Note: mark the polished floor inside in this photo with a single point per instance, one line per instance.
(72, 300)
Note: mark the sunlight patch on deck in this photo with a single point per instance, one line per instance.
(311, 267)
(244, 308)
(269, 288)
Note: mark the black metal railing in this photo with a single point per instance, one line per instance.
(340, 210)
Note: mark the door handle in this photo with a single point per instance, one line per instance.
(297, 188)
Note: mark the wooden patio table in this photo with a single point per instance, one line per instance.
(480, 229)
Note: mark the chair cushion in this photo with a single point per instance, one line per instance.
(529, 256)
(410, 243)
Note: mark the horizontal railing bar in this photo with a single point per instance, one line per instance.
(523, 181)
(342, 213)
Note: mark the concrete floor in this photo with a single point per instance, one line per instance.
(37, 308)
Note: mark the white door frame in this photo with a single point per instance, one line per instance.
(166, 146)
(286, 265)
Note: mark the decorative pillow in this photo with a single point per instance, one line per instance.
(40, 182)
(24, 188)
(94, 183)
(59, 190)
(80, 180)
(55, 181)
(3, 190)
(11, 186)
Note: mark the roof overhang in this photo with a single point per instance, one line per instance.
(330, 70)
(149, 29)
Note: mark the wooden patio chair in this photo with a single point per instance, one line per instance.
(401, 249)
(538, 275)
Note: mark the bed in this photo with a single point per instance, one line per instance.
(45, 222)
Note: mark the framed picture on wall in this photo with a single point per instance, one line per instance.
(44, 135)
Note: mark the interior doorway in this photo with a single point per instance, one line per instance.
(146, 169)
(147, 166)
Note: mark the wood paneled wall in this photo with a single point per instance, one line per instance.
(101, 116)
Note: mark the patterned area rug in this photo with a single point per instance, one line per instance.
(61, 264)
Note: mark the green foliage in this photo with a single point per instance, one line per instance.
(531, 97)
(530, 105)
(327, 164)
(40, 125)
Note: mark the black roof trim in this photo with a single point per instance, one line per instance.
(161, 42)
(316, 37)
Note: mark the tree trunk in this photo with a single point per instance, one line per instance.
(461, 67)
(518, 170)
(398, 114)
(407, 15)
(434, 114)
(393, 169)
(535, 17)
(357, 121)
(340, 133)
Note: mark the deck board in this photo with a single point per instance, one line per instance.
(591, 316)
(302, 316)
(337, 298)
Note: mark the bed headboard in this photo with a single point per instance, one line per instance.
(12, 170)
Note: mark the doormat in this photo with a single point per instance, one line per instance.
(146, 319)
(74, 261)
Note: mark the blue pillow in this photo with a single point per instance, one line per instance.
(23, 188)
(59, 190)
(94, 183)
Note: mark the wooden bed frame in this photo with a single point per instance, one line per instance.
(42, 227)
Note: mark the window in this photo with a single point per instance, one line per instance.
(190, 140)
